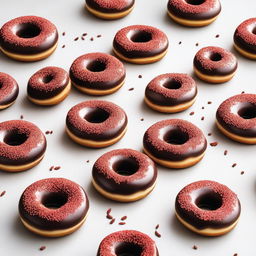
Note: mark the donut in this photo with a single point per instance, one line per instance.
(28, 38)
(236, 118)
(96, 123)
(171, 93)
(127, 242)
(97, 74)
(53, 207)
(194, 13)
(48, 86)
(9, 90)
(207, 208)
(215, 65)
(110, 9)
(245, 38)
(140, 44)
(22, 145)
(174, 143)
(124, 175)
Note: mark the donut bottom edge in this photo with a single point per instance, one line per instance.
(2, 107)
(244, 53)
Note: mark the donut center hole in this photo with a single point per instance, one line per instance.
(128, 249)
(15, 138)
(248, 112)
(47, 79)
(1, 85)
(28, 30)
(254, 31)
(141, 37)
(54, 200)
(215, 57)
(176, 137)
(126, 167)
(172, 84)
(96, 66)
(209, 201)
(96, 115)
(195, 2)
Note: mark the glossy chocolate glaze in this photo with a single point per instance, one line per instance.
(182, 9)
(221, 211)
(215, 61)
(43, 217)
(171, 89)
(238, 115)
(124, 172)
(47, 83)
(21, 142)
(174, 140)
(108, 120)
(99, 71)
(40, 36)
(9, 89)
(107, 8)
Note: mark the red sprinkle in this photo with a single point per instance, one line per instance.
(209, 134)
(235, 254)
(51, 168)
(87, 161)
(192, 113)
(64, 33)
(47, 132)
(242, 92)
(131, 89)
(121, 223)
(76, 38)
(142, 119)
(195, 247)
(63, 46)
(214, 144)
(21, 116)
(110, 217)
(82, 37)
(203, 107)
(202, 118)
(57, 168)
(225, 152)
(242, 172)
(112, 221)
(209, 102)
(234, 165)
(197, 44)
(91, 38)
(99, 36)
(139, 76)
(157, 226)
(51, 132)
(180, 42)
(109, 211)
(84, 34)
(124, 218)
(3, 193)
(42, 248)
(157, 234)
(217, 36)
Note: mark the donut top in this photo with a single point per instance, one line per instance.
(114, 241)
(47, 82)
(140, 40)
(238, 114)
(20, 142)
(110, 5)
(213, 60)
(28, 35)
(97, 70)
(171, 89)
(195, 9)
(9, 89)
(245, 35)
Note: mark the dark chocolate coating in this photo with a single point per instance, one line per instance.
(201, 218)
(47, 83)
(45, 38)
(215, 61)
(114, 125)
(108, 179)
(157, 90)
(182, 9)
(9, 89)
(96, 5)
(228, 115)
(187, 140)
(40, 220)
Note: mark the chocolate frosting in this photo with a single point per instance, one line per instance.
(28, 35)
(110, 120)
(215, 61)
(161, 90)
(224, 206)
(9, 89)
(140, 172)
(208, 9)
(230, 115)
(174, 140)
(70, 213)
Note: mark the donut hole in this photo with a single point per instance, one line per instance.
(28, 30)
(96, 66)
(54, 200)
(1, 85)
(126, 166)
(195, 2)
(128, 249)
(176, 137)
(141, 37)
(172, 84)
(254, 30)
(248, 111)
(96, 115)
(15, 138)
(47, 79)
(209, 201)
(215, 56)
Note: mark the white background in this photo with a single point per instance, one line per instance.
(70, 16)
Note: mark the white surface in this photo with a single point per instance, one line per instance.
(70, 16)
